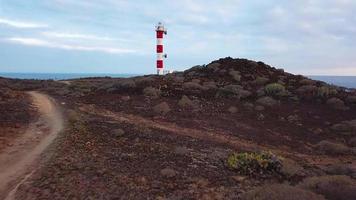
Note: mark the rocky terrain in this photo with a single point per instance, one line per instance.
(232, 129)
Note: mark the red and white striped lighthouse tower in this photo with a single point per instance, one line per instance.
(160, 31)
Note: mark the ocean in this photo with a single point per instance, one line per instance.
(344, 81)
(62, 76)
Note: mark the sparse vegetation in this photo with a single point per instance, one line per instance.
(332, 187)
(254, 163)
(280, 192)
(274, 89)
(326, 92)
(332, 148)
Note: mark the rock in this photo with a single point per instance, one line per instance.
(267, 101)
(293, 118)
(352, 142)
(185, 102)
(280, 192)
(168, 173)
(332, 148)
(331, 187)
(181, 150)
(336, 103)
(259, 108)
(162, 108)
(232, 110)
(151, 92)
(248, 106)
(260, 117)
(214, 66)
(239, 178)
(118, 132)
(125, 98)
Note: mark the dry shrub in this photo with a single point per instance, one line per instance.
(332, 148)
(162, 108)
(280, 192)
(337, 187)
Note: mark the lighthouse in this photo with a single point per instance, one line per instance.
(160, 31)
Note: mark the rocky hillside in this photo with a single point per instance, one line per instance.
(232, 129)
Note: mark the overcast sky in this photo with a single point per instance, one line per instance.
(310, 37)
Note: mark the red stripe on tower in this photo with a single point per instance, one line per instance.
(160, 31)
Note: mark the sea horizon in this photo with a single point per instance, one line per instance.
(343, 81)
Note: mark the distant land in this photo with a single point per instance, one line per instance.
(344, 81)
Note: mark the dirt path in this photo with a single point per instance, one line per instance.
(17, 162)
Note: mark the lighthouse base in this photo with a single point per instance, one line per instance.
(160, 71)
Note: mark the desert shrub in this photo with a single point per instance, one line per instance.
(151, 92)
(280, 192)
(351, 99)
(261, 80)
(162, 108)
(235, 75)
(193, 86)
(332, 148)
(307, 90)
(185, 102)
(325, 91)
(234, 90)
(254, 163)
(211, 85)
(336, 103)
(274, 89)
(337, 187)
(345, 127)
(307, 82)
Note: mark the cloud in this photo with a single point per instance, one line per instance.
(21, 24)
(44, 43)
(76, 36)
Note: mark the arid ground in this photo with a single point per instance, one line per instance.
(232, 129)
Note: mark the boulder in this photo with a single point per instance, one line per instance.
(232, 110)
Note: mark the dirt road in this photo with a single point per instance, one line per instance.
(18, 161)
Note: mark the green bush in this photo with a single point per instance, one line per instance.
(325, 91)
(254, 163)
(274, 88)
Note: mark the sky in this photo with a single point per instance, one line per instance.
(309, 37)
